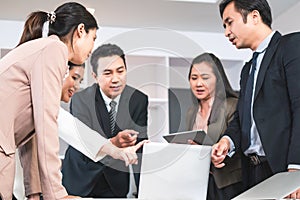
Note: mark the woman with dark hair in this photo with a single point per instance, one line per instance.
(214, 105)
(76, 73)
(33, 76)
(74, 132)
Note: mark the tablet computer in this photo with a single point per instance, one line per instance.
(198, 136)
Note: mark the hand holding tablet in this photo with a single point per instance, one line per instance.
(198, 136)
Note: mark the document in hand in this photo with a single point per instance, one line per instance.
(174, 171)
(199, 136)
(276, 187)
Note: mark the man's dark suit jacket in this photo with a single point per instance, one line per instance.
(79, 172)
(276, 105)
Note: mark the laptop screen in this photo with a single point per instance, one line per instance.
(276, 187)
(174, 171)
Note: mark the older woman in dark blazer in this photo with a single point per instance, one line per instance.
(213, 108)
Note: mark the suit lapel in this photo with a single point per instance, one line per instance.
(102, 113)
(123, 115)
(217, 120)
(245, 75)
(271, 49)
(191, 116)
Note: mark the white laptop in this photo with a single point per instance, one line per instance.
(174, 171)
(277, 186)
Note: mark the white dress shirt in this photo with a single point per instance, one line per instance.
(80, 136)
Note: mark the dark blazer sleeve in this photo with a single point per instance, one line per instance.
(233, 128)
(133, 111)
(291, 61)
(137, 120)
(140, 114)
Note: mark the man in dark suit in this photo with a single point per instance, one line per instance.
(108, 177)
(266, 125)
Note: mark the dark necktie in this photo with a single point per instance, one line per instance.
(246, 124)
(112, 116)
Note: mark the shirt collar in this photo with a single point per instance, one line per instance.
(210, 103)
(107, 100)
(265, 43)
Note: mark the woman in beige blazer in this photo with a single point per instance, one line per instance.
(75, 133)
(214, 105)
(31, 78)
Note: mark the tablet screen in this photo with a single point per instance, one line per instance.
(198, 136)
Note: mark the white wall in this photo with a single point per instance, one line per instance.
(213, 42)
(288, 21)
(153, 41)
(10, 33)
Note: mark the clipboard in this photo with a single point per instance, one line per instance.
(198, 136)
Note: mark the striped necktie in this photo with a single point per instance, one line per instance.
(112, 116)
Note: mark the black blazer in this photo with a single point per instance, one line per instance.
(79, 172)
(276, 106)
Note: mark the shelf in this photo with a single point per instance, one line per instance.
(155, 75)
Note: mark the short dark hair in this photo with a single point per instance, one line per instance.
(106, 50)
(246, 6)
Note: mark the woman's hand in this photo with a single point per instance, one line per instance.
(127, 154)
(192, 142)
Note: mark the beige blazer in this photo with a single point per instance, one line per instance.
(76, 134)
(221, 114)
(31, 78)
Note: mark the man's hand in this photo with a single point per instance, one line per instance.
(296, 194)
(125, 138)
(219, 152)
(127, 154)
